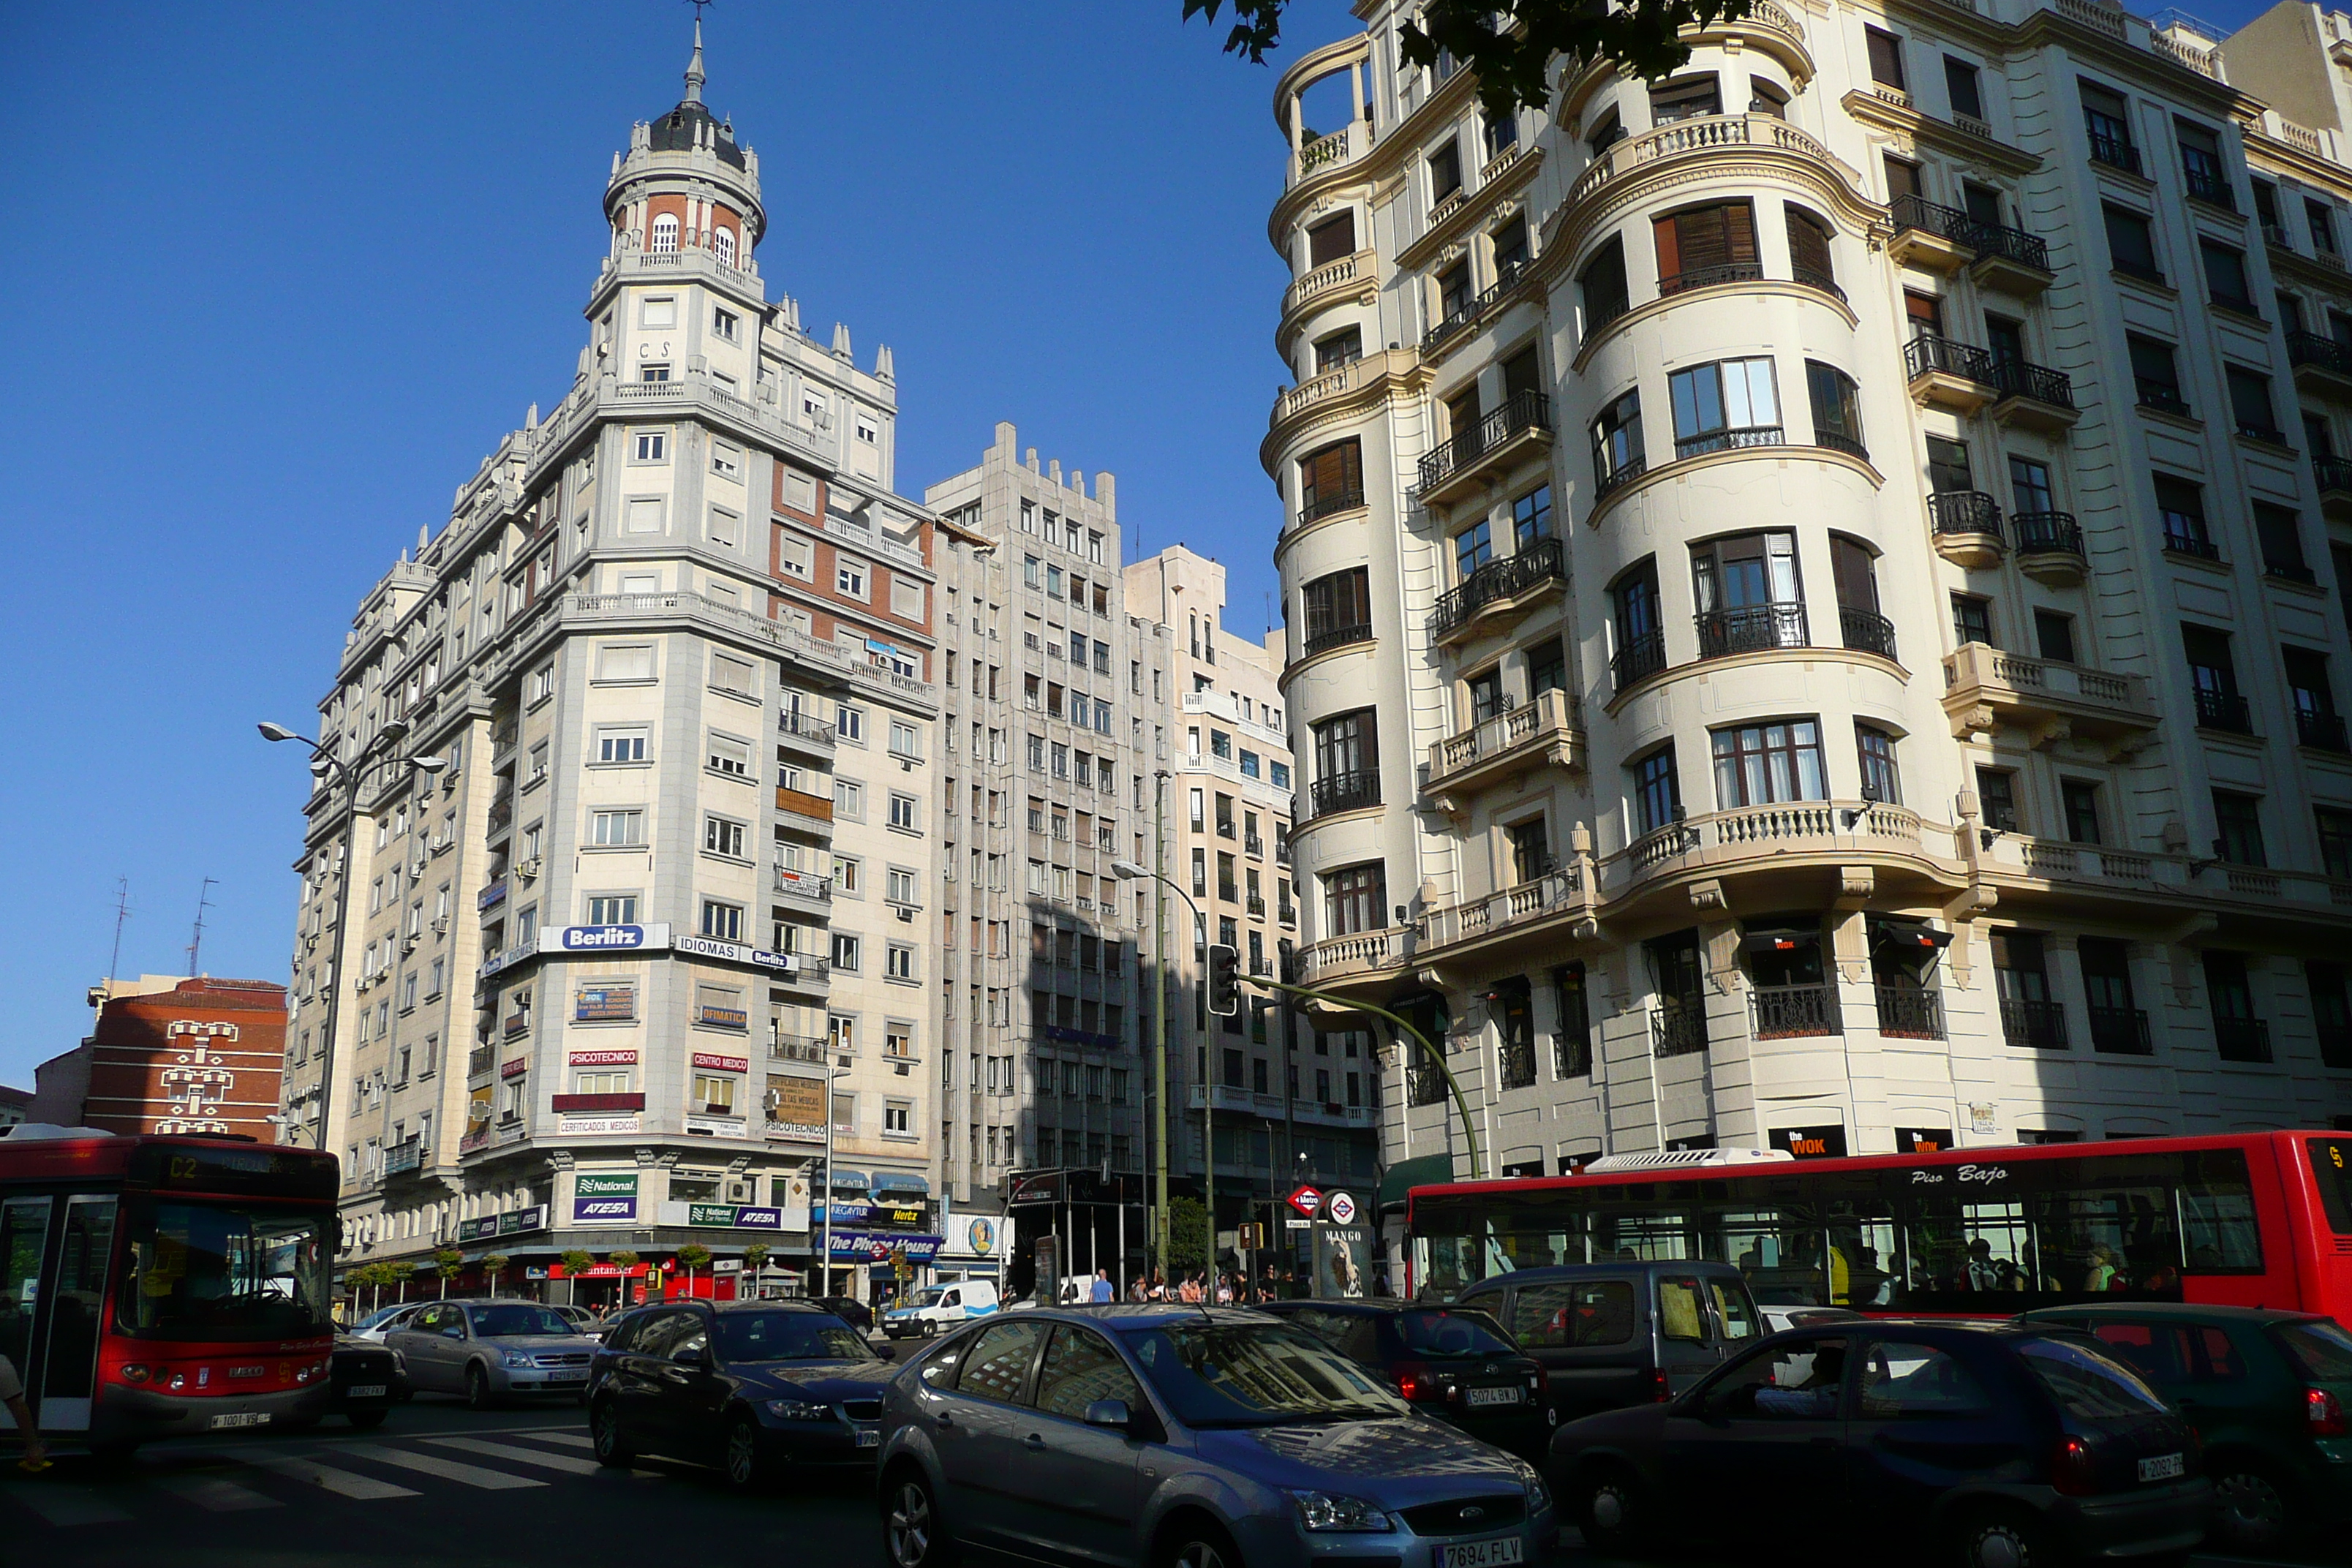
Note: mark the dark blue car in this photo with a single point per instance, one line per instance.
(1987, 1445)
(753, 1387)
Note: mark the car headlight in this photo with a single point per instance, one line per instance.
(798, 1410)
(515, 1358)
(1329, 1510)
(1539, 1494)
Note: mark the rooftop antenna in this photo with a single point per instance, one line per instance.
(203, 902)
(122, 913)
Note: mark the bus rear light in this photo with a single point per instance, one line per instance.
(2326, 1414)
(133, 1373)
(2070, 1470)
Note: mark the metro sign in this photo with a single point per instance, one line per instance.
(1306, 1200)
(1340, 1209)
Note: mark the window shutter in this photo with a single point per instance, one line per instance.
(1669, 246)
(1331, 239)
(1809, 245)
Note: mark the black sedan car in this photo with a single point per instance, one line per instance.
(367, 1380)
(1454, 1362)
(757, 1388)
(2004, 1445)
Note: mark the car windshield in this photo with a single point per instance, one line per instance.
(2323, 1350)
(930, 1296)
(789, 1336)
(1452, 1330)
(1257, 1375)
(2087, 1384)
(520, 1318)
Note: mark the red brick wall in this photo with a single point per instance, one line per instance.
(204, 1057)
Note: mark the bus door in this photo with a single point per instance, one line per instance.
(23, 1245)
(77, 1311)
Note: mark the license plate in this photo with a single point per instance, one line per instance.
(1494, 1397)
(2163, 1468)
(242, 1418)
(870, 1439)
(367, 1391)
(1481, 1553)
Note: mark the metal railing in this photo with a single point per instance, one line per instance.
(2040, 1026)
(1466, 313)
(2320, 732)
(1790, 1012)
(2161, 396)
(2314, 348)
(1910, 1013)
(2181, 541)
(1642, 658)
(1729, 440)
(1678, 1026)
(1544, 561)
(2012, 245)
(2046, 534)
(2114, 152)
(2121, 1031)
(797, 1048)
(1932, 354)
(2332, 473)
(1522, 411)
(2211, 185)
(2243, 1040)
(2223, 710)
(2291, 572)
(1571, 1054)
(1344, 792)
(1751, 629)
(1964, 512)
(1334, 636)
(1916, 211)
(1325, 506)
(2037, 382)
(1423, 1085)
(1710, 277)
(1811, 279)
(1518, 1063)
(800, 726)
(2268, 435)
(1868, 631)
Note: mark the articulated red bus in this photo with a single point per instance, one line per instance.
(156, 1287)
(2247, 1219)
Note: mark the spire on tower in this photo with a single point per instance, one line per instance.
(694, 78)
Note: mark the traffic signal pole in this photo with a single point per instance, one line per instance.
(1436, 1057)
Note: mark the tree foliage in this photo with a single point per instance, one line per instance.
(755, 1256)
(449, 1263)
(1511, 44)
(576, 1260)
(1187, 1236)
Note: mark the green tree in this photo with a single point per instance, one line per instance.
(755, 1257)
(1188, 1237)
(576, 1260)
(493, 1265)
(1511, 44)
(449, 1263)
(691, 1257)
(400, 1274)
(623, 1261)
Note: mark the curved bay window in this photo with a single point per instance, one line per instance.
(1338, 610)
(1657, 792)
(1730, 403)
(1809, 251)
(1700, 246)
(1747, 593)
(1837, 409)
(1617, 451)
(1767, 765)
(1640, 635)
(1331, 479)
(1880, 782)
(1347, 762)
(1355, 899)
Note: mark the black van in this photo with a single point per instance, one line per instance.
(1613, 1334)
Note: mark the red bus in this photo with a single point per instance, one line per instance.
(154, 1286)
(2258, 1220)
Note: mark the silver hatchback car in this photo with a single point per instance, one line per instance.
(1159, 1437)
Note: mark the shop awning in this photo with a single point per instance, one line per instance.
(1426, 1169)
(899, 1182)
(1888, 931)
(850, 1182)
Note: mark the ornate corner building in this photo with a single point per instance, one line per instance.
(1814, 586)
(675, 644)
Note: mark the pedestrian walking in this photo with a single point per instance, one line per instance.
(1103, 1293)
(12, 1397)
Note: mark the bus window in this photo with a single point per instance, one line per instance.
(1777, 1250)
(1860, 1259)
(2331, 1170)
(79, 1299)
(2099, 1239)
(24, 1232)
(1643, 1236)
(2217, 1214)
(1953, 1248)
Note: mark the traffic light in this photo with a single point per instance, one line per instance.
(1224, 981)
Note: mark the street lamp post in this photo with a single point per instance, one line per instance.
(826, 1288)
(324, 764)
(1128, 871)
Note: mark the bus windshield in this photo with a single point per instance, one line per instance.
(217, 1271)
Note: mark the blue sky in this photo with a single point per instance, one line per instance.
(284, 274)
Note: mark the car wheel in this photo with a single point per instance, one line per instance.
(1197, 1543)
(912, 1533)
(930, 1329)
(478, 1387)
(2253, 1509)
(604, 1434)
(366, 1420)
(1610, 1511)
(2004, 1539)
(746, 1470)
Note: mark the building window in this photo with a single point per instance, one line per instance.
(1473, 548)
(1879, 781)
(664, 235)
(2334, 841)
(2225, 277)
(1355, 899)
(652, 446)
(849, 577)
(1331, 480)
(732, 758)
(1885, 58)
(1700, 246)
(844, 952)
(2180, 508)
(2239, 821)
(905, 812)
(1617, 451)
(1657, 791)
(1997, 798)
(1837, 409)
(613, 909)
(720, 837)
(898, 961)
(2131, 243)
(1685, 97)
(616, 829)
(722, 921)
(1760, 764)
(625, 661)
(1604, 286)
(1730, 403)
(2081, 799)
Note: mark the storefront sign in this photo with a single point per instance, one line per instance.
(514, 1222)
(717, 1126)
(514, 1068)
(604, 939)
(621, 1059)
(611, 1002)
(1811, 1142)
(722, 1017)
(575, 1126)
(505, 961)
(721, 1064)
(735, 952)
(795, 1107)
(604, 1211)
(1922, 1140)
(603, 1198)
(733, 1216)
(851, 1245)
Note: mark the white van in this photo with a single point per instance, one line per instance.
(936, 1307)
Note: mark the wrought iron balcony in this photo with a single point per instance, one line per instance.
(1325, 505)
(1910, 1013)
(1729, 440)
(1465, 313)
(2320, 352)
(1868, 631)
(2014, 245)
(2320, 732)
(2291, 572)
(1964, 512)
(2040, 1026)
(2332, 473)
(1638, 659)
(1571, 1054)
(1623, 474)
(2243, 1040)
(1710, 277)
(1678, 1026)
(2223, 710)
(1931, 354)
(1916, 211)
(1752, 629)
(2183, 542)
(1810, 278)
(2121, 1031)
(2114, 152)
(1344, 792)
(798, 726)
(1521, 412)
(2211, 185)
(2164, 396)
(1334, 636)
(2035, 383)
(1518, 1063)
(1793, 1011)
(1497, 581)
(2046, 534)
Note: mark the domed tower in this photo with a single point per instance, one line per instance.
(685, 187)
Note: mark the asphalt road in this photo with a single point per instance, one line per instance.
(437, 1486)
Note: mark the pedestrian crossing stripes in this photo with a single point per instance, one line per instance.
(342, 1483)
(521, 1455)
(451, 1470)
(60, 1505)
(213, 1492)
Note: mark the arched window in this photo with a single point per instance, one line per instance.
(666, 235)
(723, 242)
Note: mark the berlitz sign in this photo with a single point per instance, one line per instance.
(604, 939)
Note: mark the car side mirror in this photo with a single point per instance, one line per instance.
(1112, 1413)
(887, 1352)
(698, 1356)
